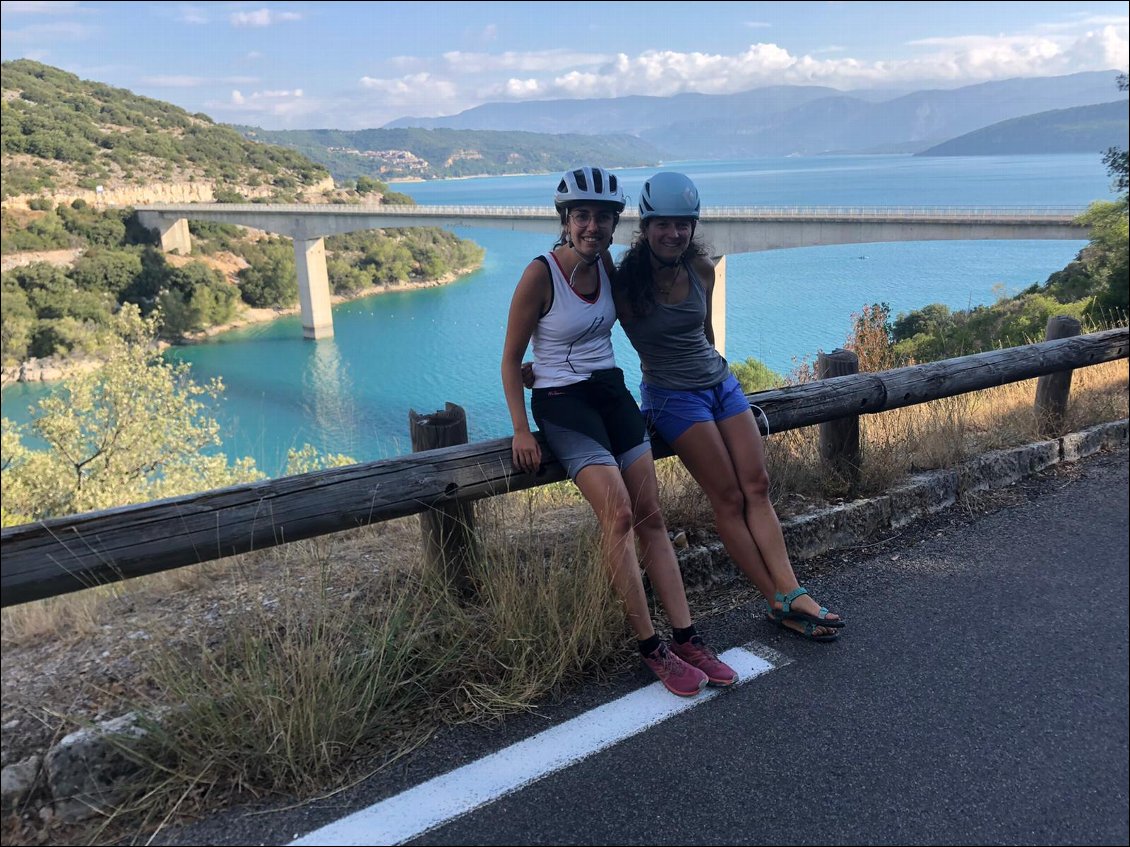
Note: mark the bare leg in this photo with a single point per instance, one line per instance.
(656, 552)
(704, 453)
(604, 488)
(727, 460)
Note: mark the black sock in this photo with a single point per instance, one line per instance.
(650, 645)
(682, 636)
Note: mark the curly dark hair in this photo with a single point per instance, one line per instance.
(633, 283)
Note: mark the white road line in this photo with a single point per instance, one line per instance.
(464, 789)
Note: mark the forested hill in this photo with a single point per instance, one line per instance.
(436, 153)
(61, 133)
(1083, 129)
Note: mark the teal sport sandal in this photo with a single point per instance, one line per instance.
(809, 628)
(788, 612)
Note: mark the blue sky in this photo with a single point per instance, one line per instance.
(357, 65)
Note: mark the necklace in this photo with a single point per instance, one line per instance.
(666, 290)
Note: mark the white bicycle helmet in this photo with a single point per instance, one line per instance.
(589, 185)
(669, 195)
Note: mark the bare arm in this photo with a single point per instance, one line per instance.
(617, 298)
(705, 270)
(530, 298)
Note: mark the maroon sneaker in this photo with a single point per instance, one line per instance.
(696, 653)
(678, 677)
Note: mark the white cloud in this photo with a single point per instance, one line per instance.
(1109, 43)
(262, 17)
(29, 7)
(972, 58)
(192, 15)
(459, 80)
(283, 106)
(547, 60)
(756, 24)
(175, 81)
(62, 31)
(520, 89)
(188, 81)
(416, 88)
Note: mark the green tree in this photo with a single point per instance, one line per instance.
(272, 279)
(113, 271)
(51, 293)
(133, 431)
(755, 375)
(368, 185)
(1107, 259)
(1115, 158)
(17, 322)
(346, 279)
(397, 198)
(388, 261)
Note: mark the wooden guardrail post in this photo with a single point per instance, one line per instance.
(1052, 390)
(448, 531)
(839, 439)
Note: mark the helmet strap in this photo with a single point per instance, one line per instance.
(581, 259)
(582, 262)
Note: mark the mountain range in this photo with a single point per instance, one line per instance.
(1097, 127)
(791, 120)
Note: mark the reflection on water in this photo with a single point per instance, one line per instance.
(330, 393)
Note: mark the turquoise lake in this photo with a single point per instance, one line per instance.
(419, 349)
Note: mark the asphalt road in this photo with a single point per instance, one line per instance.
(979, 695)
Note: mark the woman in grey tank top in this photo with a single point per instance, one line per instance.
(662, 290)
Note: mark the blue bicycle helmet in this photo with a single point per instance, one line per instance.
(669, 195)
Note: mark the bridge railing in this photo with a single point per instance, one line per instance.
(66, 554)
(973, 213)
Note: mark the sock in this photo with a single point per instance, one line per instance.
(650, 645)
(682, 636)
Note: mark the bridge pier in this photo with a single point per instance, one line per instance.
(313, 288)
(718, 305)
(175, 236)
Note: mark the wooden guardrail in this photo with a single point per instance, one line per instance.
(61, 555)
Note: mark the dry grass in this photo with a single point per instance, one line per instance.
(288, 667)
(938, 434)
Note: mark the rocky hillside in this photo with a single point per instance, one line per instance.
(63, 137)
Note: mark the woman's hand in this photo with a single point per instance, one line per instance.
(526, 452)
(528, 374)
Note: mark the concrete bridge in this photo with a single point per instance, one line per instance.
(727, 229)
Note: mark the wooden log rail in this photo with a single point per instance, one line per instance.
(61, 555)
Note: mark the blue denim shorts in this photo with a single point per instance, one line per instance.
(672, 411)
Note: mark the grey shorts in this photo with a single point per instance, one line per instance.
(594, 422)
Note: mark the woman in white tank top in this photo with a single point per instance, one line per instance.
(591, 423)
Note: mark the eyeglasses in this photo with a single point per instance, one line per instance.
(583, 217)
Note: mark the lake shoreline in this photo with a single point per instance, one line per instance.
(53, 369)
